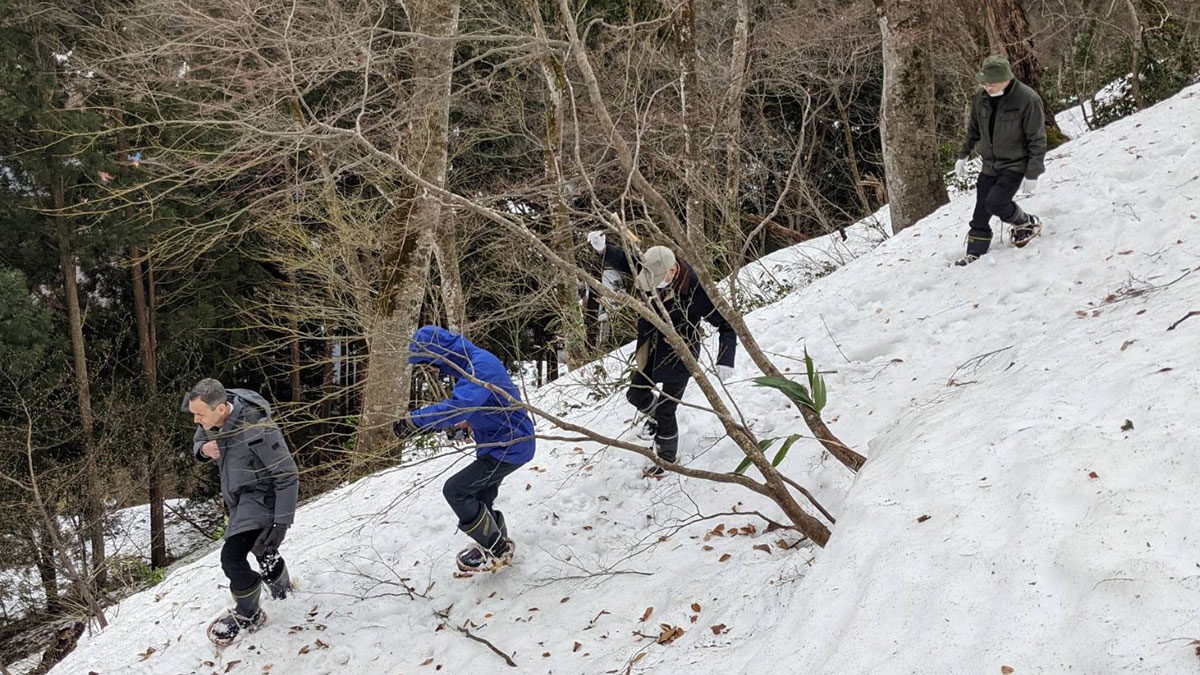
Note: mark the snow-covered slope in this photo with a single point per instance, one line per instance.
(990, 398)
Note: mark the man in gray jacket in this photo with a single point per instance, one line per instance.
(1009, 126)
(260, 485)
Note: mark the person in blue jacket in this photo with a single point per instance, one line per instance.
(487, 405)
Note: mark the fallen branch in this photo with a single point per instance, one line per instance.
(1185, 318)
(975, 362)
(445, 615)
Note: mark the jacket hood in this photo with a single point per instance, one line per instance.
(438, 346)
(253, 398)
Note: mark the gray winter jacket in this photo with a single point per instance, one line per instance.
(259, 479)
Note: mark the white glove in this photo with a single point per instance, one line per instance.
(595, 239)
(960, 168)
(1028, 186)
(723, 372)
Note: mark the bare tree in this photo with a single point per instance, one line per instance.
(1010, 27)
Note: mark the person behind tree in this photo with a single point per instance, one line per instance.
(1009, 126)
(260, 486)
(615, 267)
(674, 283)
(487, 406)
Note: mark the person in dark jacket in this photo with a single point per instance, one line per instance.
(676, 285)
(487, 405)
(1009, 126)
(260, 486)
(615, 267)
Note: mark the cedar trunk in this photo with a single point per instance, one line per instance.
(1010, 26)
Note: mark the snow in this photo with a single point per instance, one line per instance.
(984, 397)
(1073, 121)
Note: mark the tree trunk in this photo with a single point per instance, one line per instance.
(572, 326)
(43, 548)
(93, 511)
(424, 150)
(297, 388)
(689, 90)
(735, 95)
(907, 123)
(142, 312)
(1006, 19)
(1136, 37)
(851, 154)
(449, 273)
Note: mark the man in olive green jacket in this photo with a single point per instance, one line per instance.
(1009, 126)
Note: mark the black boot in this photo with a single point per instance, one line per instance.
(275, 574)
(492, 550)
(978, 243)
(246, 615)
(667, 450)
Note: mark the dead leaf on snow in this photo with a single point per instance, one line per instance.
(669, 634)
(763, 547)
(695, 607)
(427, 661)
(724, 557)
(230, 665)
(148, 653)
(1007, 670)
(646, 614)
(576, 647)
(719, 629)
(303, 650)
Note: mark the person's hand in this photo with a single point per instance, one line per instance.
(960, 168)
(211, 450)
(404, 427)
(269, 540)
(1028, 186)
(459, 432)
(724, 373)
(596, 240)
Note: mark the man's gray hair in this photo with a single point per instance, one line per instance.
(208, 390)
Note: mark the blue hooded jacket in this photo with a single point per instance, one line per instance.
(501, 428)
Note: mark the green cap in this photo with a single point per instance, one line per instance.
(995, 69)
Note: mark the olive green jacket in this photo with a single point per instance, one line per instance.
(1019, 141)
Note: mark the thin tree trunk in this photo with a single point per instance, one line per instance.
(449, 273)
(297, 389)
(1136, 38)
(851, 154)
(735, 95)
(572, 326)
(689, 90)
(43, 548)
(93, 511)
(907, 121)
(142, 312)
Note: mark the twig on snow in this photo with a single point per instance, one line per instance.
(1185, 318)
(445, 615)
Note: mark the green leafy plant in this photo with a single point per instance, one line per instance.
(813, 397)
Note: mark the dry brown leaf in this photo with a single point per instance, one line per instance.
(322, 645)
(646, 614)
(267, 668)
(639, 657)
(724, 557)
(303, 650)
(1007, 670)
(749, 530)
(148, 653)
(718, 629)
(708, 548)
(545, 655)
(427, 661)
(718, 531)
(565, 599)
(230, 665)
(923, 518)
(695, 607)
(782, 543)
(733, 532)
(693, 618)
(576, 647)
(763, 547)
(669, 634)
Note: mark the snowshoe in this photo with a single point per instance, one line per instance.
(245, 617)
(966, 260)
(224, 630)
(475, 560)
(1023, 234)
(654, 471)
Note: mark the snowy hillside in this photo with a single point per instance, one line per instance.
(990, 398)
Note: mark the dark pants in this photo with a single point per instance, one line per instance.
(661, 407)
(476, 487)
(237, 568)
(993, 197)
